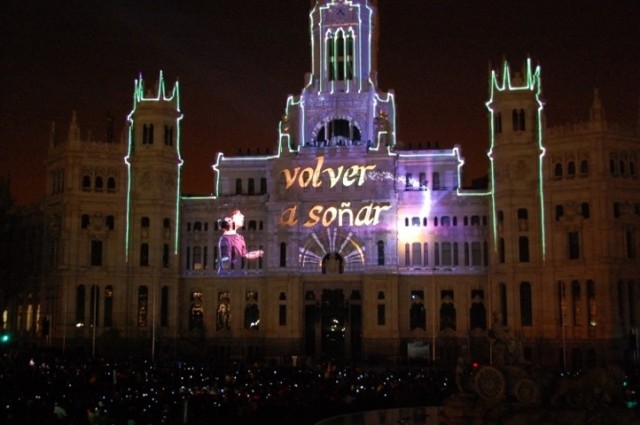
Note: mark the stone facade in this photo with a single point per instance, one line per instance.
(371, 251)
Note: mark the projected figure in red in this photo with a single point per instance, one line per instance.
(232, 247)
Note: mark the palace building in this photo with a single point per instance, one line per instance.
(370, 251)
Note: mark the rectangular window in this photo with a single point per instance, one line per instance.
(417, 313)
(282, 315)
(446, 253)
(573, 241)
(197, 258)
(144, 254)
(476, 254)
(523, 244)
(96, 253)
(416, 254)
(165, 255)
(631, 244)
(381, 314)
(526, 309)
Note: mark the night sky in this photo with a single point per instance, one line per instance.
(237, 61)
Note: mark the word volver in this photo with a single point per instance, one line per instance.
(312, 176)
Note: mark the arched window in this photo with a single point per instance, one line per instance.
(251, 311)
(252, 186)
(147, 134)
(340, 56)
(111, 184)
(331, 65)
(417, 312)
(86, 183)
(447, 311)
(223, 316)
(478, 312)
(144, 222)
(571, 169)
(99, 184)
(350, 59)
(557, 170)
(380, 245)
(584, 167)
(238, 186)
(559, 212)
(196, 310)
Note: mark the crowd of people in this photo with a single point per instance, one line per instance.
(47, 389)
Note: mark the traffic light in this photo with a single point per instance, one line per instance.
(5, 338)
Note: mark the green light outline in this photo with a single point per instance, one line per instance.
(533, 84)
(138, 97)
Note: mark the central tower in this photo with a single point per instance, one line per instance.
(340, 105)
